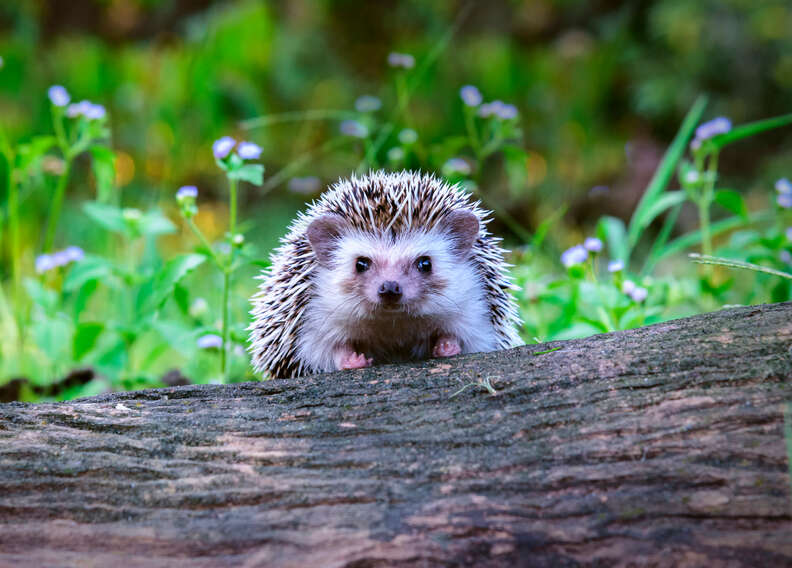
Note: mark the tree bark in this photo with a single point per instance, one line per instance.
(660, 446)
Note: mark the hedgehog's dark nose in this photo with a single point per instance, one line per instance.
(390, 291)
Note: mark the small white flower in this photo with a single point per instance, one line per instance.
(592, 244)
(639, 294)
(403, 60)
(408, 136)
(396, 154)
(198, 308)
(692, 177)
(628, 287)
(368, 103)
(210, 341)
(615, 266)
(353, 128)
(456, 166)
(309, 184)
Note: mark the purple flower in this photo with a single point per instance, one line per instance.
(403, 60)
(59, 258)
(783, 186)
(470, 95)
(58, 95)
(87, 109)
(74, 254)
(44, 262)
(785, 256)
(639, 294)
(784, 200)
(94, 112)
(186, 191)
(249, 151)
(716, 126)
(367, 103)
(498, 109)
(592, 244)
(456, 166)
(222, 147)
(210, 341)
(615, 266)
(507, 112)
(353, 128)
(789, 234)
(574, 255)
(309, 184)
(628, 287)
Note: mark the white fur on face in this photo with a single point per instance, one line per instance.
(346, 308)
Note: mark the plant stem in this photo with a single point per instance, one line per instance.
(55, 208)
(224, 352)
(14, 237)
(232, 206)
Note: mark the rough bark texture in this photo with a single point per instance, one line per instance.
(663, 446)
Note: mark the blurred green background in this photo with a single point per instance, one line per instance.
(601, 88)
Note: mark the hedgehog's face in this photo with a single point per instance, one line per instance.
(373, 273)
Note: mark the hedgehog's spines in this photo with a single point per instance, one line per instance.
(377, 202)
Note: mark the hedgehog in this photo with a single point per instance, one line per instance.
(383, 268)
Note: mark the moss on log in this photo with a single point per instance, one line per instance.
(662, 445)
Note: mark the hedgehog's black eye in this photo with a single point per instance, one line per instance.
(362, 264)
(423, 264)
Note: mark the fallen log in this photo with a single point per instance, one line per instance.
(663, 445)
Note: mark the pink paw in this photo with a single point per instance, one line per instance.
(446, 347)
(354, 361)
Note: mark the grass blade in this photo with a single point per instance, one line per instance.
(750, 129)
(731, 263)
(664, 172)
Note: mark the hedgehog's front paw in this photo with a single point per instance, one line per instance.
(446, 346)
(346, 358)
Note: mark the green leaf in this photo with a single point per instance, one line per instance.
(694, 237)
(43, 297)
(750, 129)
(103, 166)
(155, 223)
(613, 232)
(542, 229)
(253, 173)
(106, 216)
(733, 201)
(167, 278)
(34, 150)
(658, 207)
(664, 171)
(85, 337)
(87, 269)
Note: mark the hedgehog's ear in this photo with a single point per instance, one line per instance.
(463, 226)
(323, 234)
